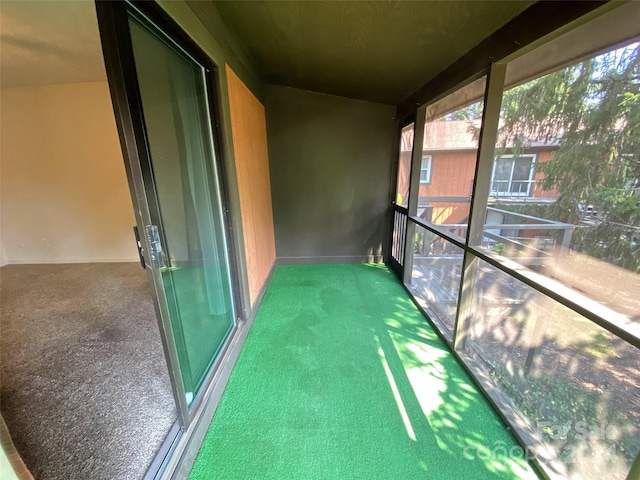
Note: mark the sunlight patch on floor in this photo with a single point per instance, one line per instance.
(422, 364)
(396, 393)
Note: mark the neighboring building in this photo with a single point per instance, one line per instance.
(448, 167)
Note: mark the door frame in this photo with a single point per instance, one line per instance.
(177, 450)
(396, 266)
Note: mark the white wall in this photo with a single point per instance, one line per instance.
(3, 256)
(63, 188)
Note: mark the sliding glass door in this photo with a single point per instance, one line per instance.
(162, 90)
(188, 212)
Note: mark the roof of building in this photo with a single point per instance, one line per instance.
(455, 135)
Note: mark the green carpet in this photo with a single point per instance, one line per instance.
(342, 377)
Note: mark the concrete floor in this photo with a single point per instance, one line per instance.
(84, 387)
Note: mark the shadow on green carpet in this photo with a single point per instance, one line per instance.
(342, 377)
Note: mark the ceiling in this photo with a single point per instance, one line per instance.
(380, 51)
(47, 42)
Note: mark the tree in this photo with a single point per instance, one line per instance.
(591, 110)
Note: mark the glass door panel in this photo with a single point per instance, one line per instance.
(404, 166)
(187, 206)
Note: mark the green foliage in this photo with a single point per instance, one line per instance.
(599, 346)
(620, 204)
(556, 407)
(592, 112)
(418, 244)
(470, 113)
(613, 243)
(500, 248)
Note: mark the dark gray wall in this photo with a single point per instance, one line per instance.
(330, 160)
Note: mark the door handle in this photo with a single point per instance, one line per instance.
(153, 236)
(139, 246)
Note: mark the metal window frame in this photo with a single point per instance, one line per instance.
(414, 191)
(177, 453)
(530, 181)
(479, 197)
(131, 117)
(429, 158)
(473, 254)
(398, 145)
(395, 238)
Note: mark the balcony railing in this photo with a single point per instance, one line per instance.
(534, 240)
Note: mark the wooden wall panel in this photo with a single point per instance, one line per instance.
(249, 132)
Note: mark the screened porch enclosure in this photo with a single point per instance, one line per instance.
(533, 296)
(509, 232)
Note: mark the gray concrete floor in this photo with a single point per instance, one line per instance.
(84, 387)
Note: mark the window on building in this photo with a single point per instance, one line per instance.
(512, 175)
(425, 169)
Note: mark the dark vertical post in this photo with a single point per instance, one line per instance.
(414, 192)
(535, 344)
(479, 197)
